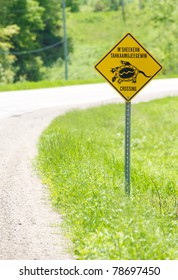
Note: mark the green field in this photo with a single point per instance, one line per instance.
(81, 159)
(94, 34)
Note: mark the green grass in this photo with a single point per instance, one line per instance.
(81, 157)
(46, 84)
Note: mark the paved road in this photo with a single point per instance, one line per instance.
(29, 228)
(19, 102)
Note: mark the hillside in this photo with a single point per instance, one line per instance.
(93, 34)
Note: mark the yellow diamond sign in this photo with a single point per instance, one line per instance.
(128, 67)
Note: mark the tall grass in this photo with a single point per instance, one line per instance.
(81, 158)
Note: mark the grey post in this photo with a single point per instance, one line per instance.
(127, 146)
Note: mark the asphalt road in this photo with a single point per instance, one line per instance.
(20, 102)
(29, 227)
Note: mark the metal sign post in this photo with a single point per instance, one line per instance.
(127, 146)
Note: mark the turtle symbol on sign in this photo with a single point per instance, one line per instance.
(126, 73)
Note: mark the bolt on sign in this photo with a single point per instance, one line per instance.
(128, 67)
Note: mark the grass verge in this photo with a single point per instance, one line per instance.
(46, 84)
(81, 158)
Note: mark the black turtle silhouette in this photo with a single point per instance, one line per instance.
(126, 72)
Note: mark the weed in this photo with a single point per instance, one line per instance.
(81, 159)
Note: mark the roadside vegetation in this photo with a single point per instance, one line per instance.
(46, 84)
(81, 158)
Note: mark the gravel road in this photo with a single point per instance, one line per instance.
(29, 227)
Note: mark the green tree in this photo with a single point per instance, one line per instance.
(7, 59)
(52, 20)
(27, 15)
(7, 32)
(40, 24)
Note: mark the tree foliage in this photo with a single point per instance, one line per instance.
(7, 60)
(38, 21)
(39, 26)
(28, 16)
